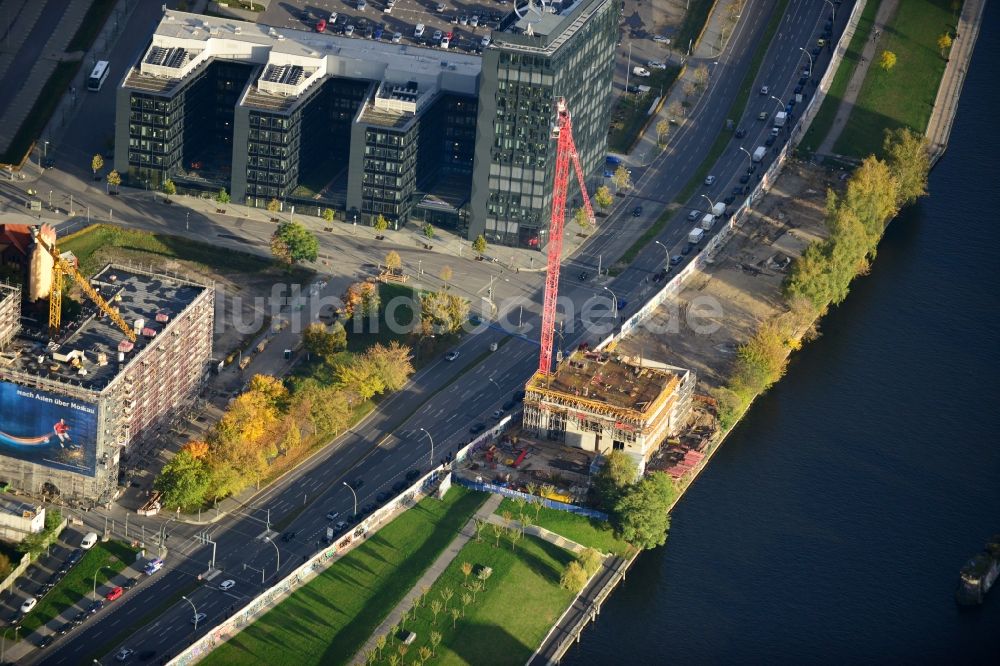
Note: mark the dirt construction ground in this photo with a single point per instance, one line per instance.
(719, 307)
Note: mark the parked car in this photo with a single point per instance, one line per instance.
(763, 115)
(412, 474)
(130, 583)
(95, 606)
(498, 414)
(89, 539)
(509, 405)
(340, 527)
(45, 642)
(29, 604)
(769, 141)
(382, 497)
(656, 64)
(710, 180)
(153, 566)
(477, 428)
(333, 515)
(660, 39)
(115, 593)
(399, 487)
(676, 259)
(744, 178)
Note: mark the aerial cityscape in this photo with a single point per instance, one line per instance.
(498, 332)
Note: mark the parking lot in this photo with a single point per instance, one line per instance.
(468, 22)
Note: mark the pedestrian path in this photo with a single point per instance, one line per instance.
(885, 13)
(542, 533)
(432, 574)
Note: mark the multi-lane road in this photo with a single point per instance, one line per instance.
(445, 397)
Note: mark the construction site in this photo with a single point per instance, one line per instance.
(78, 390)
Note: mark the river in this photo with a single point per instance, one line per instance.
(831, 525)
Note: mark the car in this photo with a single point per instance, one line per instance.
(744, 178)
(451, 356)
(485, 41)
(583, 276)
(333, 18)
(687, 249)
(361, 4)
(656, 64)
(463, 20)
(439, 7)
(399, 487)
(632, 89)
(660, 39)
(383, 496)
(153, 566)
(445, 42)
(95, 606)
(710, 180)
(641, 71)
(752, 169)
(519, 395)
(498, 414)
(763, 115)
(676, 259)
(333, 515)
(369, 508)
(474, 21)
(412, 474)
(740, 133)
(45, 642)
(612, 160)
(694, 215)
(64, 629)
(510, 404)
(227, 584)
(198, 618)
(356, 484)
(64, 569)
(730, 199)
(124, 654)
(418, 30)
(28, 604)
(321, 25)
(746, 189)
(80, 617)
(89, 540)
(287, 536)
(775, 131)
(130, 583)
(769, 141)
(821, 42)
(477, 428)
(798, 90)
(348, 30)
(115, 593)
(737, 190)
(816, 51)
(340, 527)
(637, 211)
(765, 90)
(388, 6)
(397, 37)
(378, 32)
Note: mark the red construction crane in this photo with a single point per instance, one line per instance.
(562, 132)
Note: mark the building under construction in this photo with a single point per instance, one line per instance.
(71, 402)
(600, 402)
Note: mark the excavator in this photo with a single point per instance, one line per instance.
(62, 267)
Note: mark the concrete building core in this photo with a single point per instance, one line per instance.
(417, 128)
(70, 407)
(600, 402)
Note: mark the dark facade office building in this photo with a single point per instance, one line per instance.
(409, 131)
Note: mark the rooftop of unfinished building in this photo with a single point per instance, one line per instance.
(604, 377)
(147, 301)
(16, 507)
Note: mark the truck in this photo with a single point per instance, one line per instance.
(708, 221)
(719, 209)
(758, 154)
(780, 118)
(696, 235)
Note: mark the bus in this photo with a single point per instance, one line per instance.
(98, 76)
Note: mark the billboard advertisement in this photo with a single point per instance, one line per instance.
(48, 429)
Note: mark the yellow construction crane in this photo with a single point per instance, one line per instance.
(62, 267)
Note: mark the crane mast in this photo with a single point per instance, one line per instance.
(562, 132)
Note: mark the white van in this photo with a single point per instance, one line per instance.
(418, 32)
(89, 539)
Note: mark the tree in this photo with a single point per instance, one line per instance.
(392, 363)
(701, 76)
(446, 594)
(675, 112)
(362, 299)
(591, 561)
(887, 60)
(114, 180)
(498, 531)
(466, 600)
(484, 575)
(436, 608)
(435, 641)
(393, 262)
(642, 512)
(425, 652)
(466, 571)
(380, 645)
(602, 197)
(223, 196)
(573, 578)
(622, 178)
(169, 188)
(480, 526)
(317, 340)
(581, 218)
(380, 224)
(441, 312)
(446, 275)
(614, 478)
(96, 164)
(402, 648)
(909, 162)
(514, 535)
(455, 614)
(183, 481)
(477, 587)
(273, 206)
(944, 43)
(328, 214)
(872, 195)
(662, 131)
(292, 243)
(428, 232)
(479, 245)
(689, 88)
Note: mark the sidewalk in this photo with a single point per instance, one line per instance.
(885, 13)
(542, 533)
(432, 574)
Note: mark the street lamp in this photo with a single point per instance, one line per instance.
(781, 105)
(195, 608)
(614, 302)
(833, 10)
(666, 250)
(710, 202)
(95, 577)
(748, 155)
(3, 650)
(187, 221)
(45, 154)
(810, 60)
(278, 553)
(495, 384)
(348, 486)
(432, 444)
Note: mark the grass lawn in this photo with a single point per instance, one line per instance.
(631, 113)
(904, 96)
(79, 582)
(509, 619)
(586, 531)
(737, 108)
(91, 244)
(41, 112)
(823, 120)
(329, 619)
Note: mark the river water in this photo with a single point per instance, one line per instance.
(831, 525)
